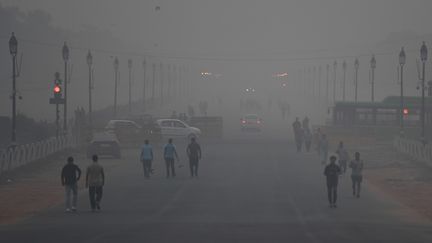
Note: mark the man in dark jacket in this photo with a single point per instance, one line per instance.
(332, 172)
(194, 153)
(70, 175)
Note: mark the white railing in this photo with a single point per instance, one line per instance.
(415, 149)
(19, 155)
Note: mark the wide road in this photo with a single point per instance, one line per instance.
(250, 189)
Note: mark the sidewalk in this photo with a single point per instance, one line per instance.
(394, 174)
(37, 186)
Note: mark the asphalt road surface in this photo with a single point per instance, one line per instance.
(249, 190)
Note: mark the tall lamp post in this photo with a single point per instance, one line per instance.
(144, 64)
(153, 82)
(130, 85)
(344, 67)
(161, 83)
(423, 56)
(373, 66)
(90, 63)
(319, 83)
(13, 49)
(334, 81)
(116, 67)
(327, 82)
(65, 53)
(356, 67)
(402, 60)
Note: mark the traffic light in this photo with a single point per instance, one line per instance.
(405, 111)
(57, 91)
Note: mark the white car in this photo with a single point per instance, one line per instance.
(174, 128)
(251, 122)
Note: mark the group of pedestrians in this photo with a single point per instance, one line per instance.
(335, 165)
(302, 134)
(95, 180)
(95, 176)
(170, 155)
(334, 170)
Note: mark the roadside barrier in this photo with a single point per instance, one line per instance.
(415, 149)
(14, 157)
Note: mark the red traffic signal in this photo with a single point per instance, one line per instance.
(57, 89)
(405, 111)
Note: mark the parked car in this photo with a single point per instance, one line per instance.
(104, 144)
(251, 122)
(174, 128)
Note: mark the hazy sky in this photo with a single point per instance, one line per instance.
(319, 30)
(242, 26)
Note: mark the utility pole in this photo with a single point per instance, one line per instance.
(13, 49)
(65, 53)
(402, 60)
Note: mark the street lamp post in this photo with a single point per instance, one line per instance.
(334, 81)
(327, 82)
(161, 83)
(116, 67)
(130, 85)
(356, 67)
(90, 63)
(153, 83)
(144, 63)
(423, 56)
(373, 66)
(65, 53)
(344, 67)
(319, 83)
(13, 49)
(402, 60)
(168, 73)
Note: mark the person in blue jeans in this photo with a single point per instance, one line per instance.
(147, 158)
(70, 176)
(332, 172)
(170, 154)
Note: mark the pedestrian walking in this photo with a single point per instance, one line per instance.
(298, 134)
(193, 151)
(95, 180)
(305, 123)
(170, 153)
(70, 176)
(343, 156)
(308, 139)
(332, 172)
(324, 146)
(317, 140)
(147, 158)
(356, 174)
